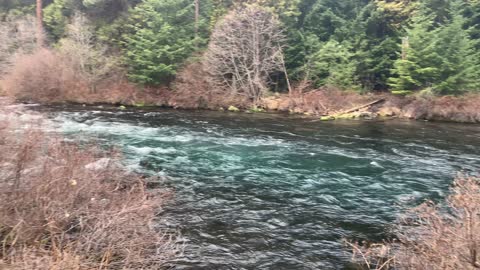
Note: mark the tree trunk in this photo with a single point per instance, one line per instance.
(40, 40)
(197, 16)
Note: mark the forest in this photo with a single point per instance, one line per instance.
(379, 45)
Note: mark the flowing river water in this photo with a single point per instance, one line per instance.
(262, 191)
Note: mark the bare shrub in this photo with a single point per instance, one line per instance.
(65, 206)
(192, 90)
(80, 71)
(245, 49)
(433, 236)
(458, 109)
(327, 101)
(17, 36)
(85, 55)
(41, 77)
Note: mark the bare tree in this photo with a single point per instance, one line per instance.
(85, 54)
(40, 39)
(245, 49)
(17, 36)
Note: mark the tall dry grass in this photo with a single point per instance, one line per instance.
(432, 236)
(69, 206)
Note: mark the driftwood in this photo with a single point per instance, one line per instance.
(363, 106)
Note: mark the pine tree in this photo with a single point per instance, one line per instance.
(162, 36)
(419, 62)
(460, 62)
(440, 57)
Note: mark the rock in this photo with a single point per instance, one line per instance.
(271, 104)
(102, 164)
(122, 107)
(256, 110)
(367, 115)
(409, 113)
(389, 111)
(283, 104)
(327, 118)
(233, 109)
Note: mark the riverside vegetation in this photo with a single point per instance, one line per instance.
(70, 206)
(322, 57)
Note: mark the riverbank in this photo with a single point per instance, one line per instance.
(69, 206)
(323, 104)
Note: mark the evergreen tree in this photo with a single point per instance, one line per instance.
(460, 62)
(161, 37)
(442, 57)
(375, 44)
(418, 64)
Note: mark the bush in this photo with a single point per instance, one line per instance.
(65, 206)
(41, 77)
(433, 236)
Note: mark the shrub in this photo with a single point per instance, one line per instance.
(41, 77)
(66, 206)
(433, 236)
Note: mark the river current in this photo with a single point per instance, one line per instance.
(262, 191)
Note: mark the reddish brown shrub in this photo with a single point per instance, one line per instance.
(42, 77)
(192, 90)
(323, 101)
(65, 206)
(464, 109)
(433, 236)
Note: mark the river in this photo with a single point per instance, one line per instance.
(264, 191)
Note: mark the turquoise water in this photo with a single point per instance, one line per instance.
(276, 192)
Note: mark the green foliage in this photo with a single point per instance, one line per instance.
(441, 57)
(160, 38)
(332, 64)
(55, 18)
(348, 44)
(402, 92)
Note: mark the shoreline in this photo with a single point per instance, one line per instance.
(384, 107)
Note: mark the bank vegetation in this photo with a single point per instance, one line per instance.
(432, 235)
(70, 206)
(420, 57)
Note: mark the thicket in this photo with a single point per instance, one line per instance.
(69, 206)
(363, 45)
(432, 236)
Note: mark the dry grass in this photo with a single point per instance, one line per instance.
(65, 206)
(433, 236)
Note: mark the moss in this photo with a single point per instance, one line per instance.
(402, 92)
(327, 118)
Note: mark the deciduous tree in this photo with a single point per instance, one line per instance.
(245, 49)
